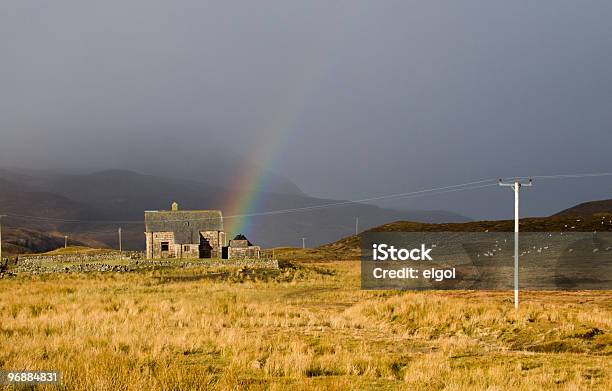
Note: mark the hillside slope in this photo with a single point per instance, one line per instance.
(587, 208)
(26, 241)
(19, 198)
(349, 247)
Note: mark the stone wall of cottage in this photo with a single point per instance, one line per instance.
(158, 238)
(216, 239)
(154, 241)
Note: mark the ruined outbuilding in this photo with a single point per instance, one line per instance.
(241, 248)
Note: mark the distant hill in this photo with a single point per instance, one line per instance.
(109, 196)
(587, 208)
(26, 241)
(20, 198)
(88, 208)
(349, 247)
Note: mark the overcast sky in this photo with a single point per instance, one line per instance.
(350, 98)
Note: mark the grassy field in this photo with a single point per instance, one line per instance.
(306, 326)
(77, 250)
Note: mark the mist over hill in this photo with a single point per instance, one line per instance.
(189, 163)
(45, 205)
(381, 98)
(91, 207)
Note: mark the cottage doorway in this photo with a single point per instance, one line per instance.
(205, 248)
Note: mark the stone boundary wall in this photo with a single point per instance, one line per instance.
(79, 258)
(34, 267)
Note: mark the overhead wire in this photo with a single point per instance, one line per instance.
(472, 185)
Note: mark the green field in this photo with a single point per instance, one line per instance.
(305, 326)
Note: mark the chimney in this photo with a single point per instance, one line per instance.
(174, 207)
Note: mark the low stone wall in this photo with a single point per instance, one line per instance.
(80, 258)
(35, 267)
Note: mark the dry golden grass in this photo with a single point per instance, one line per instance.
(77, 250)
(304, 327)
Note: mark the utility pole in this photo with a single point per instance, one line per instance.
(516, 186)
(303, 242)
(120, 248)
(65, 241)
(356, 225)
(1, 216)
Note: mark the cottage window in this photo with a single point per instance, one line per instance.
(185, 248)
(165, 246)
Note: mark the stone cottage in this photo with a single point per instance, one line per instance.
(184, 234)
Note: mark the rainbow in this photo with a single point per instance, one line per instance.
(253, 179)
(248, 188)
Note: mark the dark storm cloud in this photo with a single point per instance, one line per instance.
(376, 97)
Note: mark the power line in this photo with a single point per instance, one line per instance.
(482, 183)
(565, 176)
(74, 232)
(434, 191)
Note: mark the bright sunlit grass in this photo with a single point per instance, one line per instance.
(304, 326)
